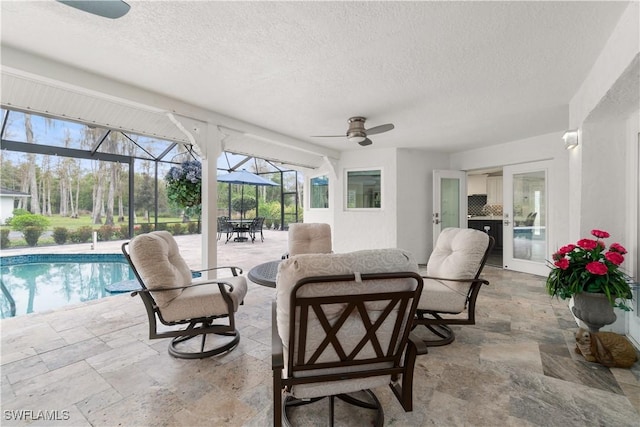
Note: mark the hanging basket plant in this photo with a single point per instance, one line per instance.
(184, 184)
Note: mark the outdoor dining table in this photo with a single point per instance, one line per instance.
(240, 227)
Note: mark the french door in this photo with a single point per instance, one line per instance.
(525, 217)
(449, 200)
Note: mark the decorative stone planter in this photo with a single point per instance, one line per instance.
(593, 309)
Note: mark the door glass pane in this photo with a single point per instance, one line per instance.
(529, 215)
(450, 202)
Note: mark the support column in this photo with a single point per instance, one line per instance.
(211, 149)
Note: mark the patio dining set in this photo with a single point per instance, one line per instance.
(243, 229)
(375, 295)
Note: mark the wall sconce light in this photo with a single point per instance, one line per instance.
(570, 138)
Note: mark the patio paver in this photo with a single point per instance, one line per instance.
(94, 364)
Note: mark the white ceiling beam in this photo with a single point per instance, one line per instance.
(73, 80)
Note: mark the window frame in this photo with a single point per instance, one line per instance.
(379, 208)
(311, 178)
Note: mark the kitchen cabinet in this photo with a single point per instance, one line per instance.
(490, 225)
(494, 190)
(476, 184)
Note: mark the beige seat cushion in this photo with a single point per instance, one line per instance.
(458, 255)
(309, 238)
(205, 300)
(158, 261)
(298, 267)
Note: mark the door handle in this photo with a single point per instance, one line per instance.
(506, 222)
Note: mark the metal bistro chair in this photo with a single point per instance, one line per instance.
(341, 326)
(255, 227)
(224, 227)
(171, 296)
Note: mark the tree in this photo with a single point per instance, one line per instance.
(243, 204)
(31, 164)
(145, 190)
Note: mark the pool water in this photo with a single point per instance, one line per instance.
(43, 282)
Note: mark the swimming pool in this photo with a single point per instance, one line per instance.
(43, 282)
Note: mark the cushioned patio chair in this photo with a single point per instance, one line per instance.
(452, 282)
(341, 325)
(309, 238)
(194, 308)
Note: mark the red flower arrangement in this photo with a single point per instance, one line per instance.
(588, 266)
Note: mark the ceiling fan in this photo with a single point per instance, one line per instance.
(357, 132)
(106, 8)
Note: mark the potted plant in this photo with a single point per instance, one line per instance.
(591, 274)
(184, 186)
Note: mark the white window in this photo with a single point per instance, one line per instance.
(364, 189)
(319, 192)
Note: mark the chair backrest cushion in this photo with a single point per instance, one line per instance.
(157, 259)
(295, 268)
(458, 253)
(309, 238)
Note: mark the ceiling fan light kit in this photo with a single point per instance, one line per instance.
(356, 137)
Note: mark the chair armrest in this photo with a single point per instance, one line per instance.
(277, 355)
(479, 280)
(173, 288)
(418, 343)
(234, 269)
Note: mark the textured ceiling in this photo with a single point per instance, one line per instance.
(449, 75)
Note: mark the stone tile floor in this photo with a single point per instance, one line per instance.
(93, 365)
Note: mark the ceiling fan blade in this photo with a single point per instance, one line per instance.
(366, 142)
(106, 8)
(379, 129)
(328, 136)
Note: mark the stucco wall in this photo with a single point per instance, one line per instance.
(320, 215)
(370, 228)
(415, 199)
(621, 48)
(605, 109)
(405, 218)
(603, 178)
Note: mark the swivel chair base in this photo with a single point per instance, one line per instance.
(373, 404)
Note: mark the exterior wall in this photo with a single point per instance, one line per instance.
(6, 207)
(371, 228)
(603, 149)
(405, 218)
(615, 57)
(415, 200)
(321, 215)
(605, 109)
(632, 182)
